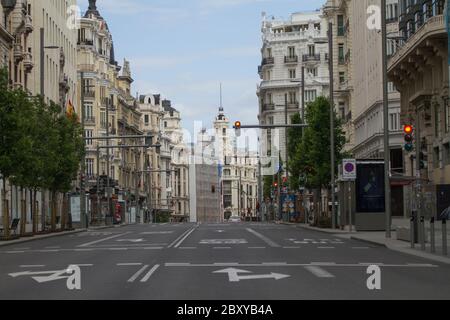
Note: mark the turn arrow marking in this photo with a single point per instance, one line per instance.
(233, 275)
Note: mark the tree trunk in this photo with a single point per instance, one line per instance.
(64, 213)
(6, 230)
(23, 213)
(53, 211)
(34, 210)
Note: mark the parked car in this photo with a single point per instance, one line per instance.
(234, 219)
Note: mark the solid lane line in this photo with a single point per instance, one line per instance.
(184, 238)
(137, 274)
(104, 239)
(319, 272)
(149, 273)
(177, 239)
(264, 238)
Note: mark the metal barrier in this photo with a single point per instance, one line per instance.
(411, 232)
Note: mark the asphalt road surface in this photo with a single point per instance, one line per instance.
(237, 261)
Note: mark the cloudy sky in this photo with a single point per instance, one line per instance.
(184, 49)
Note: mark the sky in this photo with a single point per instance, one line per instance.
(185, 49)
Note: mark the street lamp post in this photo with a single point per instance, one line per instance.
(333, 182)
(387, 161)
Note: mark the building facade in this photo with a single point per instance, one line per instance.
(419, 70)
(288, 47)
(238, 172)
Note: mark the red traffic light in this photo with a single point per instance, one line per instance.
(237, 125)
(408, 129)
(275, 184)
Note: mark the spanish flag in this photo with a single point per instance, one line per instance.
(70, 110)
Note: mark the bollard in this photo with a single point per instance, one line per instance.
(422, 233)
(432, 236)
(444, 236)
(411, 232)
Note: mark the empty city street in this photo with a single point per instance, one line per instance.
(214, 262)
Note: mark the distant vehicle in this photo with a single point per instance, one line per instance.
(234, 219)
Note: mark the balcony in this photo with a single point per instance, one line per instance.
(291, 59)
(85, 42)
(86, 67)
(28, 62)
(89, 121)
(268, 107)
(268, 61)
(293, 105)
(311, 57)
(18, 52)
(89, 94)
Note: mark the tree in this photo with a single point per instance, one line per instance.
(311, 157)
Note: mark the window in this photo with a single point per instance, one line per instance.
(341, 77)
(269, 52)
(165, 124)
(224, 131)
(341, 27)
(310, 95)
(292, 97)
(437, 120)
(391, 87)
(271, 120)
(447, 117)
(436, 159)
(88, 134)
(341, 53)
(88, 111)
(89, 167)
(269, 98)
(146, 119)
(312, 71)
(342, 109)
(292, 74)
(447, 154)
(227, 172)
(103, 119)
(311, 50)
(394, 123)
(291, 52)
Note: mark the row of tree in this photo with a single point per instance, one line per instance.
(40, 149)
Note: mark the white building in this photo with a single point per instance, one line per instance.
(287, 48)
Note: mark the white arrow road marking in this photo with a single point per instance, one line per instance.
(52, 275)
(233, 275)
(130, 240)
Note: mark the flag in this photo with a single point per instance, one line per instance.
(70, 110)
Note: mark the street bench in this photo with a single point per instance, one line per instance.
(14, 226)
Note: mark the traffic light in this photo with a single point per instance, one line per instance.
(237, 127)
(409, 137)
(275, 184)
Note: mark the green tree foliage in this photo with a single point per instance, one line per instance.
(310, 155)
(40, 148)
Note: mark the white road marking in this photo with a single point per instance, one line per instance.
(224, 264)
(233, 275)
(49, 250)
(323, 264)
(264, 238)
(118, 249)
(218, 248)
(22, 248)
(104, 239)
(319, 272)
(131, 245)
(184, 238)
(291, 247)
(138, 273)
(419, 264)
(274, 263)
(157, 232)
(360, 248)
(130, 240)
(32, 266)
(371, 263)
(130, 264)
(83, 250)
(149, 273)
(150, 248)
(177, 239)
(223, 241)
(15, 251)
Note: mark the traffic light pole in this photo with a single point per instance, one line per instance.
(418, 173)
(83, 216)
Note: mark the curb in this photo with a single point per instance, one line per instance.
(369, 241)
(328, 231)
(34, 238)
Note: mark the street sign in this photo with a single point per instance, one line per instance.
(349, 169)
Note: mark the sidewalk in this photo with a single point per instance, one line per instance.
(378, 238)
(55, 234)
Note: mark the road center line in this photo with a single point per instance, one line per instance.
(319, 272)
(104, 239)
(176, 240)
(184, 238)
(149, 273)
(264, 238)
(137, 274)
